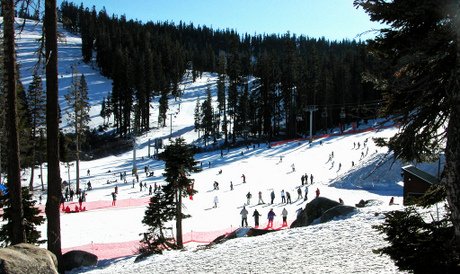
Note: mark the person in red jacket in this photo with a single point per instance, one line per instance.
(317, 192)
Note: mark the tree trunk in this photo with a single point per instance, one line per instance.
(179, 240)
(14, 169)
(451, 177)
(52, 129)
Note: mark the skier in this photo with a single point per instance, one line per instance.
(256, 216)
(88, 172)
(302, 179)
(80, 202)
(244, 178)
(299, 193)
(114, 198)
(271, 216)
(293, 167)
(116, 189)
(283, 196)
(317, 192)
(216, 200)
(150, 190)
(272, 196)
(260, 198)
(311, 179)
(284, 214)
(306, 194)
(288, 197)
(140, 185)
(249, 196)
(231, 185)
(244, 217)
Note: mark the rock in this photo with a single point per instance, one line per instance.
(336, 211)
(27, 258)
(364, 203)
(313, 210)
(78, 258)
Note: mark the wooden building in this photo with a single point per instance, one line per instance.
(416, 182)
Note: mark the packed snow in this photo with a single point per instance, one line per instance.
(344, 245)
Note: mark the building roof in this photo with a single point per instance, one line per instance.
(426, 177)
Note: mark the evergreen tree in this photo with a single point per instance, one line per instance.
(179, 164)
(197, 116)
(77, 99)
(32, 219)
(163, 108)
(37, 107)
(421, 46)
(159, 211)
(207, 117)
(17, 231)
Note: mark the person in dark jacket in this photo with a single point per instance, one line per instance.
(271, 217)
(256, 216)
(272, 196)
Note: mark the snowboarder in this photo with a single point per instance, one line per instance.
(284, 214)
(216, 185)
(283, 196)
(244, 217)
(272, 196)
(260, 198)
(302, 179)
(88, 172)
(244, 178)
(317, 192)
(305, 197)
(89, 186)
(311, 179)
(256, 216)
(293, 167)
(249, 196)
(271, 216)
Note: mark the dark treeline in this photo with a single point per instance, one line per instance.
(266, 82)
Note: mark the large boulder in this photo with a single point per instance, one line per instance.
(78, 258)
(336, 211)
(27, 258)
(314, 210)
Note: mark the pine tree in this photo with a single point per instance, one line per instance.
(159, 211)
(10, 85)
(207, 117)
(179, 164)
(77, 99)
(37, 106)
(163, 108)
(421, 46)
(197, 116)
(32, 219)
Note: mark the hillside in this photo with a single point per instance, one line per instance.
(340, 246)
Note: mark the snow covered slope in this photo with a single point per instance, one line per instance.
(340, 246)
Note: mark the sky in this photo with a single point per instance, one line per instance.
(332, 19)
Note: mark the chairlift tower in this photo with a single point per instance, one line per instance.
(311, 109)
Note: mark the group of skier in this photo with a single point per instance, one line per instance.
(270, 217)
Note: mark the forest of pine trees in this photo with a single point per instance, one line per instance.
(265, 81)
